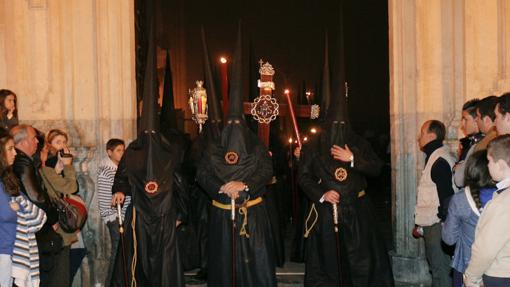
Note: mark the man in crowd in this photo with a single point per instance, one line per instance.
(485, 118)
(502, 112)
(472, 135)
(53, 260)
(433, 195)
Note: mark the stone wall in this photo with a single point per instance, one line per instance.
(72, 64)
(442, 53)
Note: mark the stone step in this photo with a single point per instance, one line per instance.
(285, 281)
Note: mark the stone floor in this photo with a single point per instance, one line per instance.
(288, 281)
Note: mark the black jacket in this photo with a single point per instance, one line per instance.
(27, 171)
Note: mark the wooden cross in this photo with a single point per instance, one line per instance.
(265, 108)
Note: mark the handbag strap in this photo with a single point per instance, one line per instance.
(50, 188)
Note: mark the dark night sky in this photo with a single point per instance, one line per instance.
(289, 34)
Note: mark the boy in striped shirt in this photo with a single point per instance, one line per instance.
(105, 175)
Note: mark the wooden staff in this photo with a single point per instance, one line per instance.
(233, 219)
(337, 236)
(123, 250)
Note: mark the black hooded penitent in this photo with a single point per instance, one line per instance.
(147, 172)
(238, 155)
(364, 260)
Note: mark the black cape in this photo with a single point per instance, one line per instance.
(364, 258)
(255, 264)
(154, 215)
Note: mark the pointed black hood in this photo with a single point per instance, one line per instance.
(150, 156)
(338, 107)
(326, 83)
(336, 122)
(234, 157)
(168, 114)
(214, 123)
(236, 136)
(235, 105)
(215, 114)
(168, 118)
(150, 119)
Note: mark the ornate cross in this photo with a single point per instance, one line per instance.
(265, 108)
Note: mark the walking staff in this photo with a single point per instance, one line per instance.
(121, 231)
(233, 219)
(337, 237)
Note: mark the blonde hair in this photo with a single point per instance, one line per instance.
(52, 134)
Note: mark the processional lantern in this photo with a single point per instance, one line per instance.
(198, 104)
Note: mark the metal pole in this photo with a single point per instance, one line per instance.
(234, 257)
(123, 250)
(337, 237)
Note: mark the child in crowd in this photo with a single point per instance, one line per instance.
(8, 109)
(490, 253)
(464, 211)
(105, 175)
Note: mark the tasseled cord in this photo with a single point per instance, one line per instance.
(135, 244)
(308, 228)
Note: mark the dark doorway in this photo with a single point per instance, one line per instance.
(290, 35)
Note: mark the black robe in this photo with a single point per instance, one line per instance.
(278, 201)
(196, 237)
(364, 258)
(157, 256)
(255, 264)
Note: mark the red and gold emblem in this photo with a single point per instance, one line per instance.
(231, 157)
(151, 187)
(341, 174)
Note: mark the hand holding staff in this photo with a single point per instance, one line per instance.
(335, 216)
(119, 218)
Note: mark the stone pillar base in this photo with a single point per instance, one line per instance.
(410, 270)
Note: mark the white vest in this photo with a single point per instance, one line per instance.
(427, 201)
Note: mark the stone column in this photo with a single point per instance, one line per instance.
(442, 53)
(72, 65)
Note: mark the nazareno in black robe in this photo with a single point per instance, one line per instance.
(364, 258)
(278, 199)
(200, 203)
(157, 256)
(255, 264)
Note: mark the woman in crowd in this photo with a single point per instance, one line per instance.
(8, 190)
(464, 211)
(19, 220)
(8, 109)
(59, 178)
